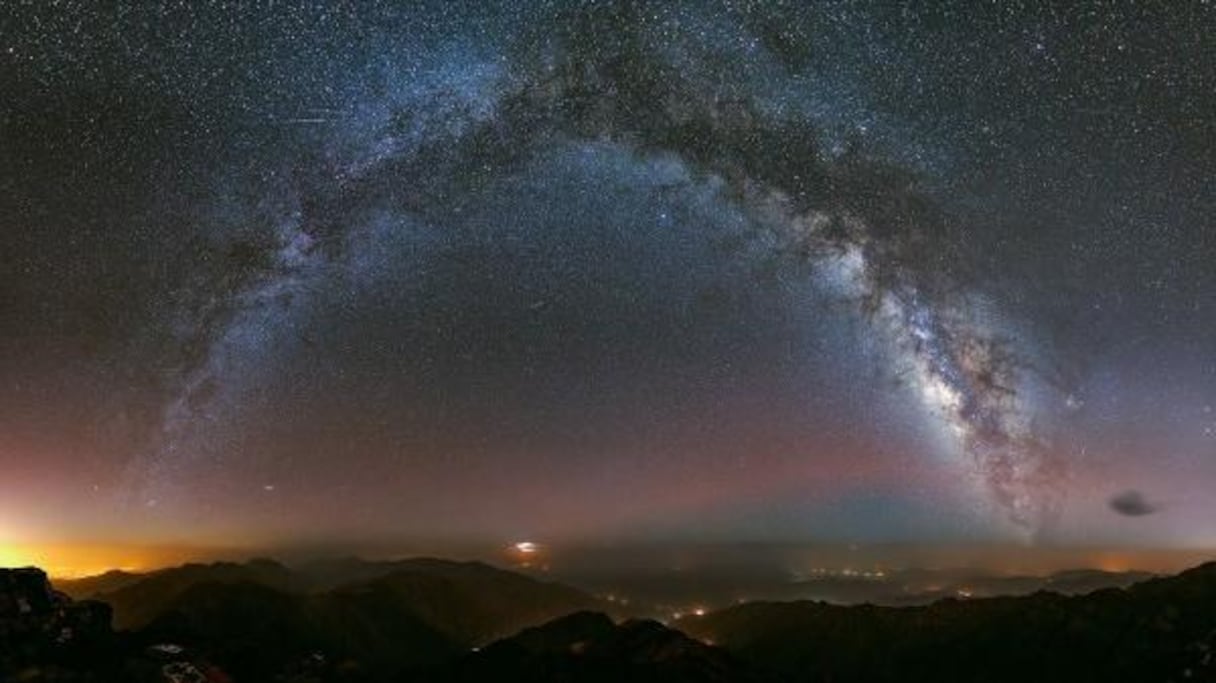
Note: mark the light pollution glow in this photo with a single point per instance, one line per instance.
(75, 560)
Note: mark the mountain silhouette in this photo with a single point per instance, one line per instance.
(435, 620)
(256, 618)
(471, 601)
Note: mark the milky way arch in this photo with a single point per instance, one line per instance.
(601, 78)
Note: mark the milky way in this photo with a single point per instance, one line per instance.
(714, 269)
(628, 87)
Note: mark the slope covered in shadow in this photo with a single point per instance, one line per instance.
(255, 632)
(589, 647)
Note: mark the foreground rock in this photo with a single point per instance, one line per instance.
(45, 635)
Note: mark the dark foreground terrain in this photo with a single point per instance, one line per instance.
(435, 621)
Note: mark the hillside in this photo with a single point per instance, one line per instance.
(590, 648)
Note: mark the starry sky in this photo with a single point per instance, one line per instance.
(584, 270)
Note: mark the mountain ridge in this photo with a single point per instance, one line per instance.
(1161, 629)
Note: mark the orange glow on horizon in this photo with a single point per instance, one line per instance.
(75, 560)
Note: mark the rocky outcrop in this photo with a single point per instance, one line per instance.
(43, 631)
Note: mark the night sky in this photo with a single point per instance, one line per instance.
(637, 271)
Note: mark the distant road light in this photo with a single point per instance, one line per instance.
(526, 547)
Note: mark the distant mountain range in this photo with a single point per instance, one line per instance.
(469, 602)
(677, 591)
(922, 587)
(435, 621)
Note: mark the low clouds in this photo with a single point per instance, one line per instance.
(1132, 503)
